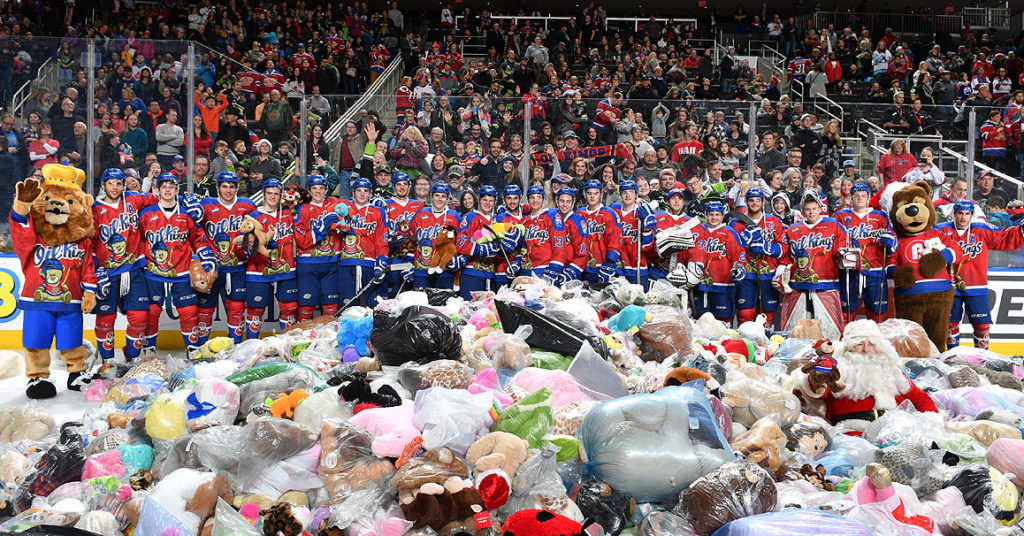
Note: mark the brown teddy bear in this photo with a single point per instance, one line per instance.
(51, 230)
(252, 237)
(347, 462)
(763, 444)
(200, 279)
(924, 290)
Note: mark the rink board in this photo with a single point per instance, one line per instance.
(1005, 294)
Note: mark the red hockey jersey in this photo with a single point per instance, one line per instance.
(684, 149)
(539, 241)
(722, 249)
(814, 252)
(570, 244)
(607, 114)
(310, 250)
(171, 239)
(471, 228)
(909, 253)
(221, 223)
(865, 229)
(400, 236)
(970, 273)
(604, 236)
(367, 238)
(510, 219)
(280, 264)
(426, 226)
(773, 230)
(55, 276)
(118, 242)
(630, 231)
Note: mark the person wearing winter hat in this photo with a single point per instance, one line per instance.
(872, 372)
(264, 166)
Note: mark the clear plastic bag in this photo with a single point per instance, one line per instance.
(909, 338)
(267, 380)
(1007, 455)
(651, 446)
(929, 374)
(347, 462)
(910, 465)
(903, 425)
(986, 358)
(451, 417)
(25, 423)
(969, 401)
(751, 400)
(984, 431)
(61, 463)
(659, 523)
(383, 523)
(228, 522)
(733, 491)
(795, 523)
(969, 522)
(99, 522)
(139, 387)
(154, 519)
(536, 483)
(564, 388)
(318, 407)
(267, 441)
(986, 489)
(669, 334)
(530, 418)
(361, 504)
(576, 313)
(295, 473)
(509, 351)
(847, 453)
(212, 403)
(597, 375)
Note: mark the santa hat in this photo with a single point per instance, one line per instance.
(494, 487)
(860, 330)
(883, 199)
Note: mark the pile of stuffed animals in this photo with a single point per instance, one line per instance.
(558, 411)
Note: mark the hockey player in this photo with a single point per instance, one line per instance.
(400, 210)
(426, 226)
(814, 251)
(538, 241)
(724, 264)
(604, 235)
(482, 257)
(120, 256)
(511, 213)
(871, 230)
(318, 245)
(274, 270)
(570, 247)
(764, 245)
(364, 247)
(970, 272)
(172, 237)
(222, 217)
(638, 225)
(661, 265)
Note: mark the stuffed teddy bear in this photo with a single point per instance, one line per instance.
(347, 462)
(808, 438)
(51, 231)
(188, 494)
(354, 333)
(437, 506)
(252, 237)
(762, 444)
(683, 375)
(430, 467)
(444, 250)
(826, 372)
(751, 492)
(21, 423)
(924, 291)
(497, 450)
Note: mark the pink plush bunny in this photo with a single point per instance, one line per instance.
(487, 381)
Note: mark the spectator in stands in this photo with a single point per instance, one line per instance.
(985, 189)
(170, 139)
(993, 145)
(64, 123)
(896, 120)
(44, 150)
(264, 166)
(893, 165)
(134, 138)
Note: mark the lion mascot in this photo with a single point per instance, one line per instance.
(51, 229)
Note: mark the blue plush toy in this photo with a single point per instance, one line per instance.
(631, 316)
(353, 334)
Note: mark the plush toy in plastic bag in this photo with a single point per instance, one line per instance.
(909, 338)
(451, 417)
(970, 401)
(537, 485)
(651, 446)
(211, 403)
(751, 400)
(905, 425)
(347, 462)
(21, 423)
(911, 466)
(268, 380)
(154, 519)
(564, 387)
(1007, 455)
(228, 522)
(268, 440)
(733, 491)
(847, 453)
(61, 463)
(383, 523)
(392, 428)
(595, 374)
(800, 522)
(122, 461)
(530, 418)
(986, 489)
(509, 350)
(418, 334)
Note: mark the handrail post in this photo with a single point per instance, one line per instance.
(90, 115)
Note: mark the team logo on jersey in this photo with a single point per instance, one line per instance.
(423, 256)
(71, 251)
(865, 231)
(629, 232)
(125, 222)
(119, 254)
(275, 264)
(166, 234)
(54, 287)
(973, 248)
(227, 225)
(593, 227)
(714, 245)
(350, 248)
(161, 265)
(811, 241)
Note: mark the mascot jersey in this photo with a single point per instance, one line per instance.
(118, 242)
(538, 241)
(722, 250)
(909, 253)
(970, 273)
(630, 230)
(569, 239)
(400, 215)
(604, 236)
(368, 237)
(814, 251)
(281, 263)
(426, 226)
(865, 229)
(55, 276)
(773, 230)
(171, 238)
(310, 250)
(471, 230)
(221, 223)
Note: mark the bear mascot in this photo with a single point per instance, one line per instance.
(923, 288)
(51, 229)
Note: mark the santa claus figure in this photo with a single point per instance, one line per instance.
(872, 372)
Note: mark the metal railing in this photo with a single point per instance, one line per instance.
(797, 89)
(988, 17)
(771, 62)
(44, 78)
(911, 23)
(962, 165)
(832, 109)
(636, 21)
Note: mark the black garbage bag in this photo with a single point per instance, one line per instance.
(437, 297)
(548, 333)
(418, 334)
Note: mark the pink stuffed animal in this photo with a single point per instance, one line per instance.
(564, 388)
(487, 381)
(392, 428)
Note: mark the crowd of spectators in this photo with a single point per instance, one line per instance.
(654, 105)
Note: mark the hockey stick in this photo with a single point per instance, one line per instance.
(355, 297)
